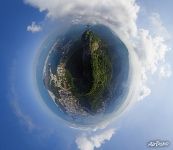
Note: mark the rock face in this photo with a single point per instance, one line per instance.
(93, 81)
(80, 84)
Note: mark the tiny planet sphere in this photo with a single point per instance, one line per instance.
(82, 74)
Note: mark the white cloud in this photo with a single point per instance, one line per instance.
(144, 91)
(85, 142)
(122, 14)
(165, 71)
(34, 27)
(151, 50)
(23, 117)
(158, 26)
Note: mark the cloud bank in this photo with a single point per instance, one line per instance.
(85, 142)
(122, 14)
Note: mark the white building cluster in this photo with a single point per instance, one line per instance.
(66, 98)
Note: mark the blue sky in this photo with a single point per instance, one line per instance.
(26, 122)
